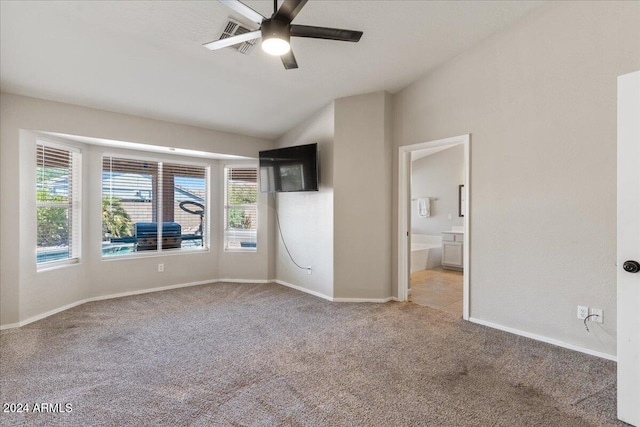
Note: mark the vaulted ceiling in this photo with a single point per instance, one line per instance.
(146, 57)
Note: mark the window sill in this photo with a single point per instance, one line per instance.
(56, 265)
(154, 254)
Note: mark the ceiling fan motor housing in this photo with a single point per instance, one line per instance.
(275, 28)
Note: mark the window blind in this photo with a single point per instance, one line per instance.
(58, 204)
(129, 189)
(241, 207)
(185, 202)
(137, 195)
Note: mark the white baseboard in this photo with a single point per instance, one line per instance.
(146, 291)
(544, 339)
(244, 281)
(100, 298)
(301, 289)
(9, 326)
(185, 285)
(43, 315)
(328, 298)
(376, 300)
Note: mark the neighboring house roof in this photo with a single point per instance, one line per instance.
(134, 187)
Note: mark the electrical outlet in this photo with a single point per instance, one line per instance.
(450, 217)
(160, 268)
(598, 318)
(309, 270)
(583, 312)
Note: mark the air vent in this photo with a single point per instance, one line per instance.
(233, 28)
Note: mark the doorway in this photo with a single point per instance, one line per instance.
(454, 243)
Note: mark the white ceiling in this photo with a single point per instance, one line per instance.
(145, 58)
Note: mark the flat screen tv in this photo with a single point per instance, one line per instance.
(289, 169)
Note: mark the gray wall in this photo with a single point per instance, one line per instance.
(540, 102)
(25, 293)
(362, 197)
(437, 176)
(344, 230)
(307, 218)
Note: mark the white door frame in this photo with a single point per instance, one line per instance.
(404, 227)
(628, 242)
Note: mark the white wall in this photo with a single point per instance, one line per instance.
(307, 218)
(26, 293)
(362, 197)
(539, 100)
(437, 176)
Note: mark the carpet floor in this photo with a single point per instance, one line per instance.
(262, 355)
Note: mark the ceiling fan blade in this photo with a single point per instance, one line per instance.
(244, 10)
(229, 41)
(325, 33)
(289, 60)
(288, 10)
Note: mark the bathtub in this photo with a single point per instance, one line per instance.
(426, 251)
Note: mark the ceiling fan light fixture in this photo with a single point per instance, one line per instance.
(275, 37)
(276, 46)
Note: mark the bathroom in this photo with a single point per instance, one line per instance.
(437, 228)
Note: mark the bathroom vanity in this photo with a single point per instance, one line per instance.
(453, 250)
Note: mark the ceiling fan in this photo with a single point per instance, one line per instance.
(277, 30)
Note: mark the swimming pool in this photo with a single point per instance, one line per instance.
(108, 250)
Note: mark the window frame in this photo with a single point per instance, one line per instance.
(225, 206)
(160, 161)
(75, 205)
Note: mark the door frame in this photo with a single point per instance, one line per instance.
(404, 206)
(628, 208)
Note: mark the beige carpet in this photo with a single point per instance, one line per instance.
(264, 355)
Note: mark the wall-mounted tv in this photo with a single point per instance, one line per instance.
(289, 169)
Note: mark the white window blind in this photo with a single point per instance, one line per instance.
(129, 189)
(184, 202)
(58, 203)
(138, 194)
(240, 208)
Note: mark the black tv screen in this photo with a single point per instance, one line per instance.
(289, 169)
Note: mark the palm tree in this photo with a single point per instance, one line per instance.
(116, 222)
